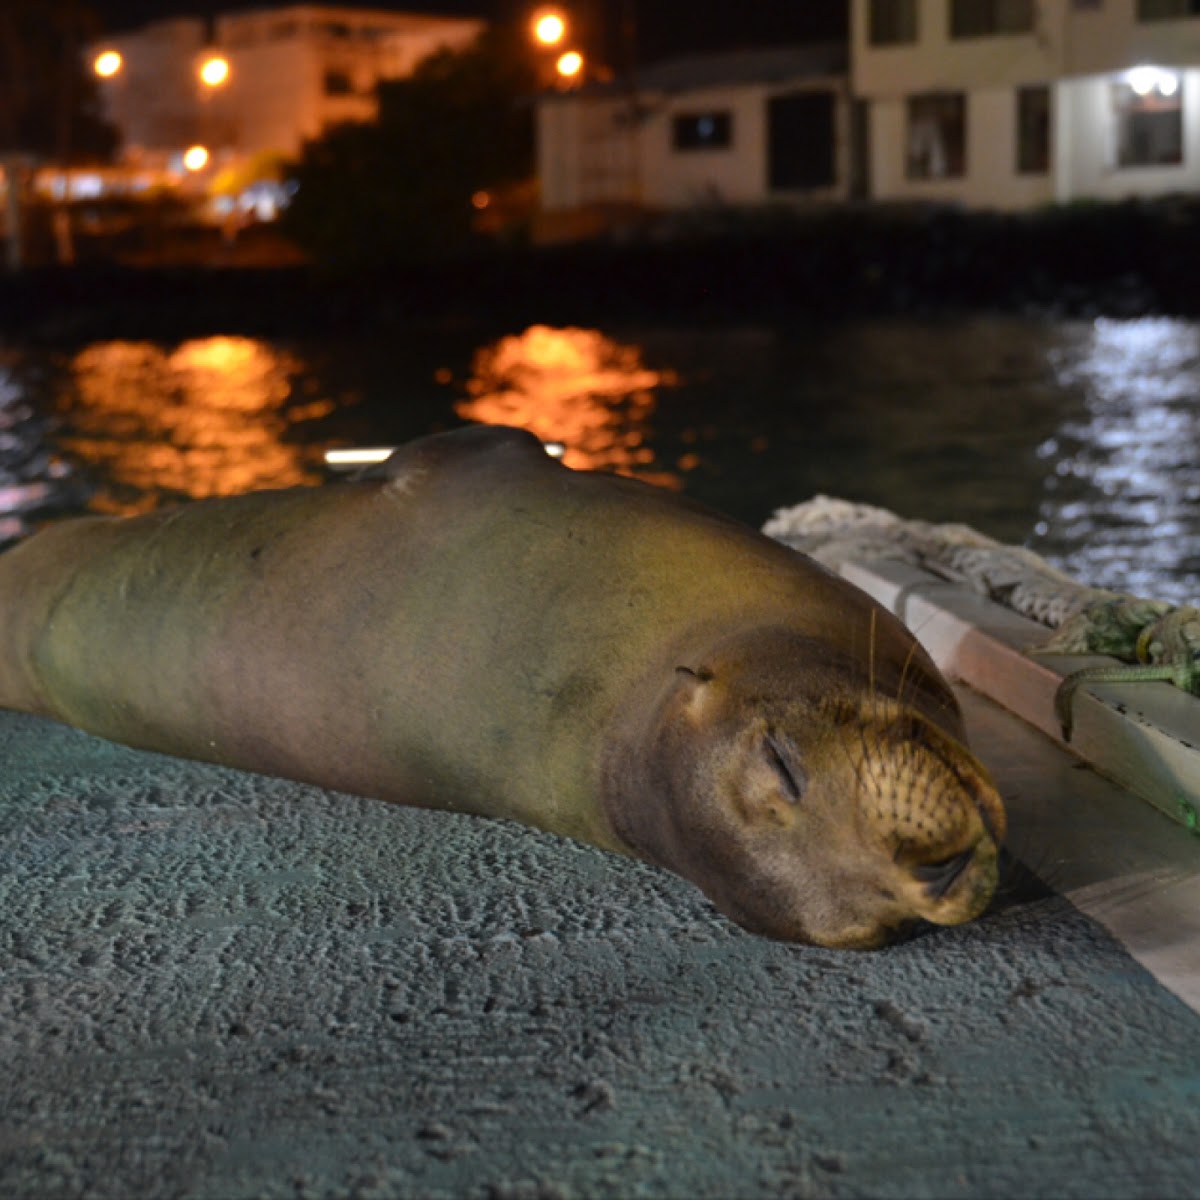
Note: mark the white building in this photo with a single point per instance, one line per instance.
(740, 128)
(1014, 103)
(292, 73)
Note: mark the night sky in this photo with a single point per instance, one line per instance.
(663, 27)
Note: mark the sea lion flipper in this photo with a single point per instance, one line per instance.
(441, 450)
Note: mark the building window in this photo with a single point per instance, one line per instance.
(979, 18)
(1167, 10)
(702, 131)
(892, 22)
(1148, 115)
(338, 83)
(1033, 130)
(937, 136)
(802, 140)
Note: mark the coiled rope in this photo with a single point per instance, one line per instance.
(1153, 639)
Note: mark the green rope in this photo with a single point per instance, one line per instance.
(1160, 644)
(1182, 675)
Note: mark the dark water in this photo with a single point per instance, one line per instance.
(1079, 439)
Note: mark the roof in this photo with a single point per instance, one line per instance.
(778, 64)
(774, 65)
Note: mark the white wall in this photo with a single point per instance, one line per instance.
(153, 100)
(937, 61)
(735, 174)
(990, 180)
(1077, 52)
(1112, 38)
(1088, 169)
(586, 153)
(585, 148)
(1065, 41)
(275, 96)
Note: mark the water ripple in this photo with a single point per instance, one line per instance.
(1119, 508)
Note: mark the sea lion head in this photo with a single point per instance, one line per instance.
(806, 801)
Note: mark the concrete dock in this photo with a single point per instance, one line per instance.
(216, 985)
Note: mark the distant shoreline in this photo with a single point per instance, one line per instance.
(1123, 260)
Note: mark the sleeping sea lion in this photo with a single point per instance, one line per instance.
(485, 630)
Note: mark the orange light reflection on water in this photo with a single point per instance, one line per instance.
(204, 419)
(574, 386)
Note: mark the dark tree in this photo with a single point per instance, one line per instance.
(49, 105)
(401, 187)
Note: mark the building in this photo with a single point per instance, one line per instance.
(1014, 103)
(742, 128)
(291, 73)
(1006, 104)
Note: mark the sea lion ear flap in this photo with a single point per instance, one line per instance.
(773, 785)
(695, 687)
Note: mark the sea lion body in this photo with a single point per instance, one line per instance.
(487, 631)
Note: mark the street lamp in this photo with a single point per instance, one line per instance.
(107, 63)
(214, 70)
(549, 27)
(569, 66)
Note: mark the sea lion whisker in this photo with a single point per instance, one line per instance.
(871, 659)
(863, 767)
(908, 659)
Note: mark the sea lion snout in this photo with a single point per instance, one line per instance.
(929, 799)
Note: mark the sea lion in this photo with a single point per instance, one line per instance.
(485, 630)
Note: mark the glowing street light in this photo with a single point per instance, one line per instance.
(107, 64)
(1145, 79)
(549, 28)
(214, 70)
(1142, 80)
(195, 158)
(570, 65)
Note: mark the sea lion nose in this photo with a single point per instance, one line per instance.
(939, 877)
(992, 813)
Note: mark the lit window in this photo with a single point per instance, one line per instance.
(702, 131)
(1033, 130)
(979, 18)
(1167, 10)
(1148, 117)
(892, 22)
(937, 136)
